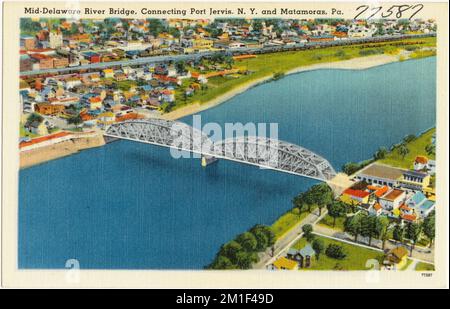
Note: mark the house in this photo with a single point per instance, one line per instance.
(95, 103)
(353, 196)
(106, 118)
(92, 57)
(420, 163)
(283, 264)
(28, 42)
(108, 73)
(72, 82)
(306, 254)
(414, 180)
(379, 174)
(421, 205)
(392, 199)
(396, 258)
(376, 209)
(49, 109)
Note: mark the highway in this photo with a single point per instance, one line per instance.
(234, 51)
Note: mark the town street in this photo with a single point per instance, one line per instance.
(288, 239)
(420, 253)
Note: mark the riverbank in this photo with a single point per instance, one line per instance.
(359, 63)
(58, 150)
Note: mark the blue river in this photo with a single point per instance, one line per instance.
(132, 206)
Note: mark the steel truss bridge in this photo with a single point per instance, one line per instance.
(259, 151)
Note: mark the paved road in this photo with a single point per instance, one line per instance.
(420, 253)
(283, 244)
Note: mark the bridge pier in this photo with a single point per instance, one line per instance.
(207, 160)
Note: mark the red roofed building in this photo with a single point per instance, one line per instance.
(40, 140)
(351, 196)
(409, 218)
(420, 163)
(381, 191)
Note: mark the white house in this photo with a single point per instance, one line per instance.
(392, 199)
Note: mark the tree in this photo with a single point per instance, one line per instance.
(380, 153)
(34, 117)
(261, 239)
(318, 246)
(267, 231)
(430, 149)
(180, 66)
(335, 251)
(429, 227)
(229, 61)
(300, 203)
(230, 251)
(350, 168)
(382, 229)
(398, 233)
(353, 225)
(368, 227)
(336, 209)
(76, 120)
(244, 260)
(222, 262)
(307, 230)
(403, 150)
(248, 241)
(409, 138)
(413, 231)
(319, 195)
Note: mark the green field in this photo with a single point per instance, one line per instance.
(408, 262)
(355, 260)
(267, 65)
(287, 221)
(416, 147)
(424, 267)
(24, 132)
(328, 222)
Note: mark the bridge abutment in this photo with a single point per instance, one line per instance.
(207, 160)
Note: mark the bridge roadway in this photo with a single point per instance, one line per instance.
(254, 150)
(266, 49)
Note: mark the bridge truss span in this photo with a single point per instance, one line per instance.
(260, 151)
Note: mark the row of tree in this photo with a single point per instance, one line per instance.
(402, 149)
(413, 231)
(242, 252)
(370, 226)
(319, 196)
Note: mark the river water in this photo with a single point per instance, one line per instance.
(132, 206)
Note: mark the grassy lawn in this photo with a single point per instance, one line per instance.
(267, 65)
(424, 267)
(408, 262)
(328, 222)
(287, 221)
(125, 85)
(24, 132)
(355, 260)
(416, 147)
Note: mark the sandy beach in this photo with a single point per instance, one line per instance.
(58, 150)
(360, 63)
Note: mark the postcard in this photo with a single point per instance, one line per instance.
(213, 145)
